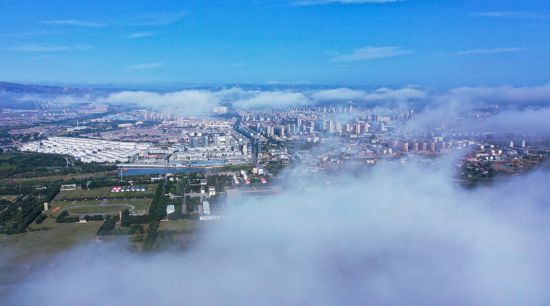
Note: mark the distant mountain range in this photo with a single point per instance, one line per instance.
(20, 88)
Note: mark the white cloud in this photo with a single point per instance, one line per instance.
(397, 95)
(145, 66)
(321, 2)
(397, 236)
(186, 102)
(30, 34)
(503, 94)
(338, 94)
(155, 19)
(511, 115)
(137, 35)
(380, 95)
(268, 99)
(272, 99)
(489, 51)
(371, 53)
(519, 121)
(49, 48)
(204, 100)
(386, 237)
(151, 19)
(77, 23)
(512, 14)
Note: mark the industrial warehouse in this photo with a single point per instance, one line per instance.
(88, 150)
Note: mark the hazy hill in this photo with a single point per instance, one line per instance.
(20, 88)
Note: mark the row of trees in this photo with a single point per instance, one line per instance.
(27, 164)
(64, 217)
(40, 218)
(157, 210)
(113, 196)
(108, 226)
(17, 216)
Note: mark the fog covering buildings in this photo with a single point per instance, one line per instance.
(397, 234)
(401, 233)
(357, 241)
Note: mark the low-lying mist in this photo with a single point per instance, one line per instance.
(397, 235)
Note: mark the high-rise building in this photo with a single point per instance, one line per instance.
(259, 147)
(331, 127)
(280, 131)
(194, 142)
(219, 110)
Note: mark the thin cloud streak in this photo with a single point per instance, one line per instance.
(148, 19)
(155, 19)
(30, 34)
(371, 53)
(49, 48)
(512, 14)
(489, 51)
(77, 23)
(323, 2)
(145, 66)
(138, 35)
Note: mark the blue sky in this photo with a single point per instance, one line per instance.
(338, 42)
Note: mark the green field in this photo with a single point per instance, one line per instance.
(180, 234)
(179, 226)
(32, 251)
(102, 193)
(59, 236)
(105, 206)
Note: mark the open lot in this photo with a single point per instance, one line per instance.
(9, 197)
(105, 206)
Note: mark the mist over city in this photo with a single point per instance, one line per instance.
(274, 153)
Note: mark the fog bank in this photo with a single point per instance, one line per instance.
(398, 235)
